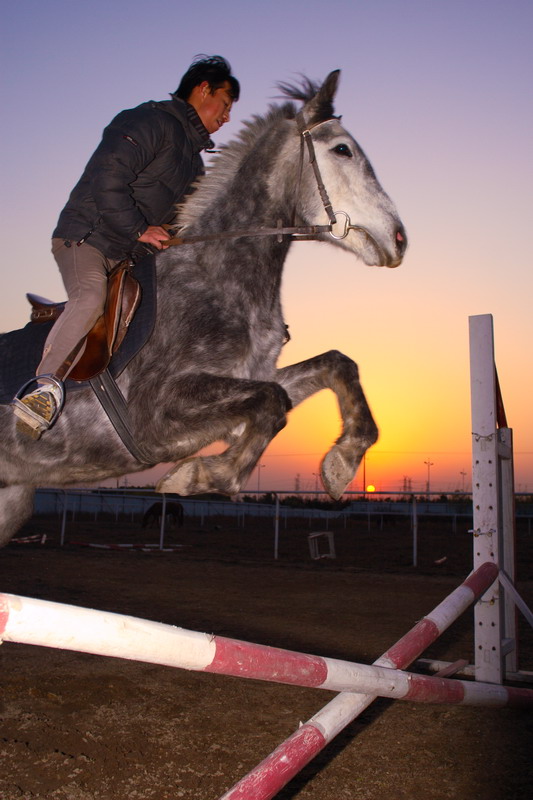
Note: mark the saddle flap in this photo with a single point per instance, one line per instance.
(123, 298)
(106, 336)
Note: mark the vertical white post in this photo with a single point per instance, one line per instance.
(493, 502)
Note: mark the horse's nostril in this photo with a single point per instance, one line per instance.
(401, 240)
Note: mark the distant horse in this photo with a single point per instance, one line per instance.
(173, 514)
(208, 372)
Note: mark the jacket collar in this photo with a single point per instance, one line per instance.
(188, 116)
(199, 127)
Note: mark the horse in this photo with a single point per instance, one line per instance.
(173, 514)
(208, 372)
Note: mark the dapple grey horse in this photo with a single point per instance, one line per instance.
(208, 373)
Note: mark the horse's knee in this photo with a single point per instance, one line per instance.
(342, 364)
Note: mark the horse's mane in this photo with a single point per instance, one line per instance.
(304, 91)
(227, 161)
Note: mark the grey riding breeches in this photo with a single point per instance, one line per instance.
(84, 271)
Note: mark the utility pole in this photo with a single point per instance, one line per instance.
(429, 464)
(259, 468)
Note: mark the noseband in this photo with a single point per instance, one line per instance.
(297, 232)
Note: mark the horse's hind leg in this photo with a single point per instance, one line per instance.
(16, 507)
(247, 414)
(335, 371)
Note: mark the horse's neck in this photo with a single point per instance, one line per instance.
(243, 200)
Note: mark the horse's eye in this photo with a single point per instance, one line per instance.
(343, 150)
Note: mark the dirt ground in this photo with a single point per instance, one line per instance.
(83, 727)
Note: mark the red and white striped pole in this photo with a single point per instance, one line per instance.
(102, 633)
(272, 774)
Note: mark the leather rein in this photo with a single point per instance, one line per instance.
(299, 232)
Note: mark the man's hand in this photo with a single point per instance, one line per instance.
(155, 235)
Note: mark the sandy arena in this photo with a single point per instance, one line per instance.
(83, 727)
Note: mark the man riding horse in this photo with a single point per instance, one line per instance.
(146, 162)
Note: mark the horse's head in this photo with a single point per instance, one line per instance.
(277, 152)
(365, 219)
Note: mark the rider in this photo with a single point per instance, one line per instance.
(146, 162)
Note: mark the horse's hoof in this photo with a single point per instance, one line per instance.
(336, 473)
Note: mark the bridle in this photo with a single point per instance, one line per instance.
(297, 232)
(306, 139)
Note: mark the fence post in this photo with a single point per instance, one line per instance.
(276, 528)
(163, 521)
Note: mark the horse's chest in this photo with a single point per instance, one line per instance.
(259, 360)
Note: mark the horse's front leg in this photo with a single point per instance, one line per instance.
(335, 371)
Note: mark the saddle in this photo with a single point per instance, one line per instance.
(109, 330)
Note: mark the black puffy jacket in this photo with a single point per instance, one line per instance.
(144, 165)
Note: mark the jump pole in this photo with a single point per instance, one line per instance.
(277, 769)
(102, 633)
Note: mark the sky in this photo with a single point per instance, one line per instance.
(438, 94)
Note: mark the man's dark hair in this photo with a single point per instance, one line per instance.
(213, 69)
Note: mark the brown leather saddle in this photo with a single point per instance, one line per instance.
(108, 332)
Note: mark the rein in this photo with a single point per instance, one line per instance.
(299, 232)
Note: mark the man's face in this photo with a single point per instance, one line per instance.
(212, 108)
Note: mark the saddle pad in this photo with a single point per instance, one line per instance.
(21, 350)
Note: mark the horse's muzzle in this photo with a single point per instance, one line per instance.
(400, 246)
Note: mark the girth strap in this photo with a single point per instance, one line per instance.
(116, 408)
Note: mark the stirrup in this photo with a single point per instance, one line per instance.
(37, 417)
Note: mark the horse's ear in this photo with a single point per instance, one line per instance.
(320, 107)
